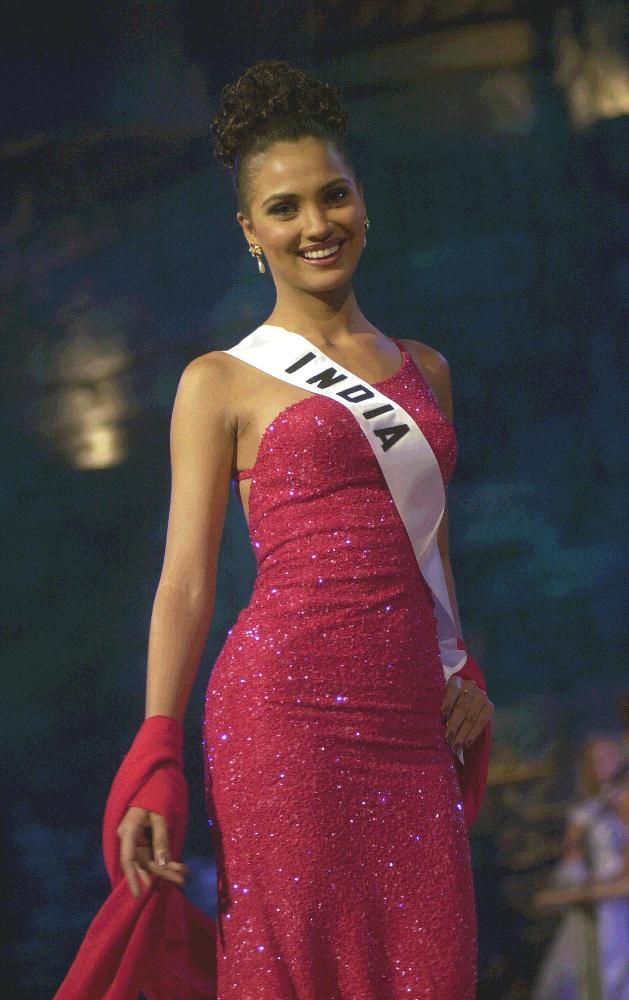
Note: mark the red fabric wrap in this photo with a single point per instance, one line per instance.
(160, 943)
(473, 773)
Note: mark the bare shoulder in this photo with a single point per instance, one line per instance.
(431, 361)
(206, 388)
(211, 365)
(436, 371)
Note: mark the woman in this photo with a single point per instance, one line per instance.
(589, 956)
(333, 740)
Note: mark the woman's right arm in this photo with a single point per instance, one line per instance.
(569, 873)
(202, 440)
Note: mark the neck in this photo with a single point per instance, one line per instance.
(329, 318)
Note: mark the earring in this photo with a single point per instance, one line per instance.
(367, 224)
(256, 251)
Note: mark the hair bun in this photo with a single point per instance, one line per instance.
(272, 89)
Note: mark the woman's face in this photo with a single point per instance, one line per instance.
(303, 194)
(606, 757)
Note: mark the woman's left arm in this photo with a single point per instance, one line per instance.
(593, 891)
(465, 706)
(437, 373)
(590, 892)
(619, 885)
(444, 549)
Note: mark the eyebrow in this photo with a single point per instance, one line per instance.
(285, 194)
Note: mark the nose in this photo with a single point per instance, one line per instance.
(316, 224)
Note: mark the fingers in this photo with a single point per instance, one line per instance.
(453, 689)
(145, 850)
(161, 863)
(472, 726)
(131, 835)
(144, 875)
(467, 710)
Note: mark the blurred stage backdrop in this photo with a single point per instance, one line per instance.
(491, 140)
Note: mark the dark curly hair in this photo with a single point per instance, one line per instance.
(272, 101)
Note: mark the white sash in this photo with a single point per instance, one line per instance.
(407, 461)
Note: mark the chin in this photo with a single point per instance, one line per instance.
(331, 281)
(341, 272)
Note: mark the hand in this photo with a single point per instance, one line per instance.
(467, 710)
(144, 849)
(559, 897)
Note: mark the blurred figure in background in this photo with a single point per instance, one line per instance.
(588, 958)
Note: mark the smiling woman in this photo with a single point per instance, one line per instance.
(333, 561)
(346, 729)
(282, 134)
(313, 222)
(323, 215)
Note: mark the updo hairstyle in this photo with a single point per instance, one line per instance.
(274, 101)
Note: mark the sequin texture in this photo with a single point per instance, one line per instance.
(333, 800)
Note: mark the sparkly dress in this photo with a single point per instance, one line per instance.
(334, 803)
(588, 958)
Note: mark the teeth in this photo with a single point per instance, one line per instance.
(322, 253)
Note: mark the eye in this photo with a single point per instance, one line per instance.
(276, 209)
(333, 195)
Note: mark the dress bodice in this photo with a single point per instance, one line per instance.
(315, 471)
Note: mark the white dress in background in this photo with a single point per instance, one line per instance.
(589, 955)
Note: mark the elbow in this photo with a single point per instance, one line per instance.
(191, 595)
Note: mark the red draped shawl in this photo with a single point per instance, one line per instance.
(160, 943)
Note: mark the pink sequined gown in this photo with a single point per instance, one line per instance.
(342, 853)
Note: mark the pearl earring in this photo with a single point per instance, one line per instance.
(256, 251)
(367, 224)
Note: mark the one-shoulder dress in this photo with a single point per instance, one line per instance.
(335, 810)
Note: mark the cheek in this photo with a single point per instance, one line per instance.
(605, 762)
(280, 237)
(350, 214)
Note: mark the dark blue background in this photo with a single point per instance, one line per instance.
(500, 225)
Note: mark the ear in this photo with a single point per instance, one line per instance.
(361, 192)
(246, 226)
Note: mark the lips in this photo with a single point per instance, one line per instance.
(323, 249)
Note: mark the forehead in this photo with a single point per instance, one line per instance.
(603, 749)
(295, 166)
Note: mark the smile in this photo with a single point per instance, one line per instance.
(327, 256)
